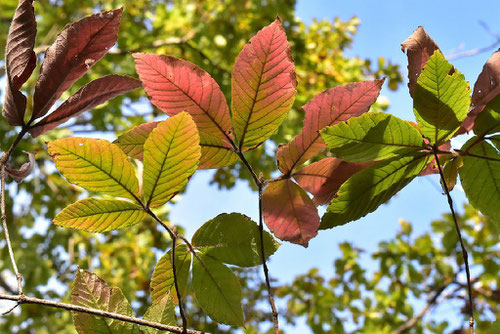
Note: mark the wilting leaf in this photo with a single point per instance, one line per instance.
(95, 165)
(217, 290)
(480, 177)
(20, 174)
(419, 48)
(233, 239)
(132, 141)
(77, 48)
(171, 156)
(89, 96)
(441, 99)
(89, 290)
(162, 282)
(488, 121)
(289, 212)
(324, 178)
(328, 108)
(365, 191)
(20, 60)
(161, 311)
(450, 172)
(262, 86)
(176, 85)
(100, 215)
(371, 137)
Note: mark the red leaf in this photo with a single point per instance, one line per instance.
(419, 47)
(263, 86)
(431, 167)
(20, 174)
(289, 212)
(77, 48)
(20, 60)
(326, 109)
(324, 178)
(93, 94)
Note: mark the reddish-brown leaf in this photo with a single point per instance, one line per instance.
(289, 212)
(14, 105)
(431, 167)
(326, 109)
(93, 94)
(324, 178)
(419, 47)
(263, 86)
(76, 49)
(20, 174)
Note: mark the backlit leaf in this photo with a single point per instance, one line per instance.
(89, 96)
(100, 215)
(326, 109)
(161, 311)
(171, 156)
(289, 212)
(365, 191)
(233, 239)
(95, 165)
(217, 290)
(262, 86)
(371, 137)
(488, 121)
(89, 290)
(450, 172)
(77, 48)
(162, 282)
(441, 99)
(132, 141)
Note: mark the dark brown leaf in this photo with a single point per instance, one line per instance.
(20, 174)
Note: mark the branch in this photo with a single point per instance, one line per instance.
(476, 51)
(76, 308)
(177, 290)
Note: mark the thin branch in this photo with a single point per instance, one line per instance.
(464, 251)
(476, 51)
(76, 308)
(177, 290)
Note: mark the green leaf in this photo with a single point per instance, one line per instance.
(480, 177)
(161, 311)
(366, 190)
(488, 121)
(234, 239)
(371, 137)
(162, 282)
(495, 328)
(100, 215)
(441, 99)
(132, 141)
(495, 140)
(95, 165)
(217, 290)
(89, 290)
(171, 156)
(450, 172)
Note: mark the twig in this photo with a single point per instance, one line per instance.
(101, 313)
(464, 251)
(177, 290)
(476, 51)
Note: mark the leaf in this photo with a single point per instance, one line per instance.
(488, 121)
(20, 60)
(171, 156)
(419, 48)
(450, 172)
(100, 215)
(161, 311)
(480, 177)
(24, 171)
(365, 191)
(233, 239)
(132, 141)
(441, 99)
(214, 153)
(76, 49)
(289, 212)
(371, 137)
(96, 165)
(176, 85)
(89, 96)
(162, 282)
(326, 109)
(324, 178)
(217, 290)
(262, 86)
(89, 290)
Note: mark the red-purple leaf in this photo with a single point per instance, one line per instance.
(263, 86)
(14, 105)
(20, 174)
(324, 178)
(77, 48)
(93, 94)
(289, 212)
(326, 109)
(419, 47)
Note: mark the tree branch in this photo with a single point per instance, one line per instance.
(177, 290)
(476, 51)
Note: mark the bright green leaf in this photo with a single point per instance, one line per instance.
(161, 311)
(488, 121)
